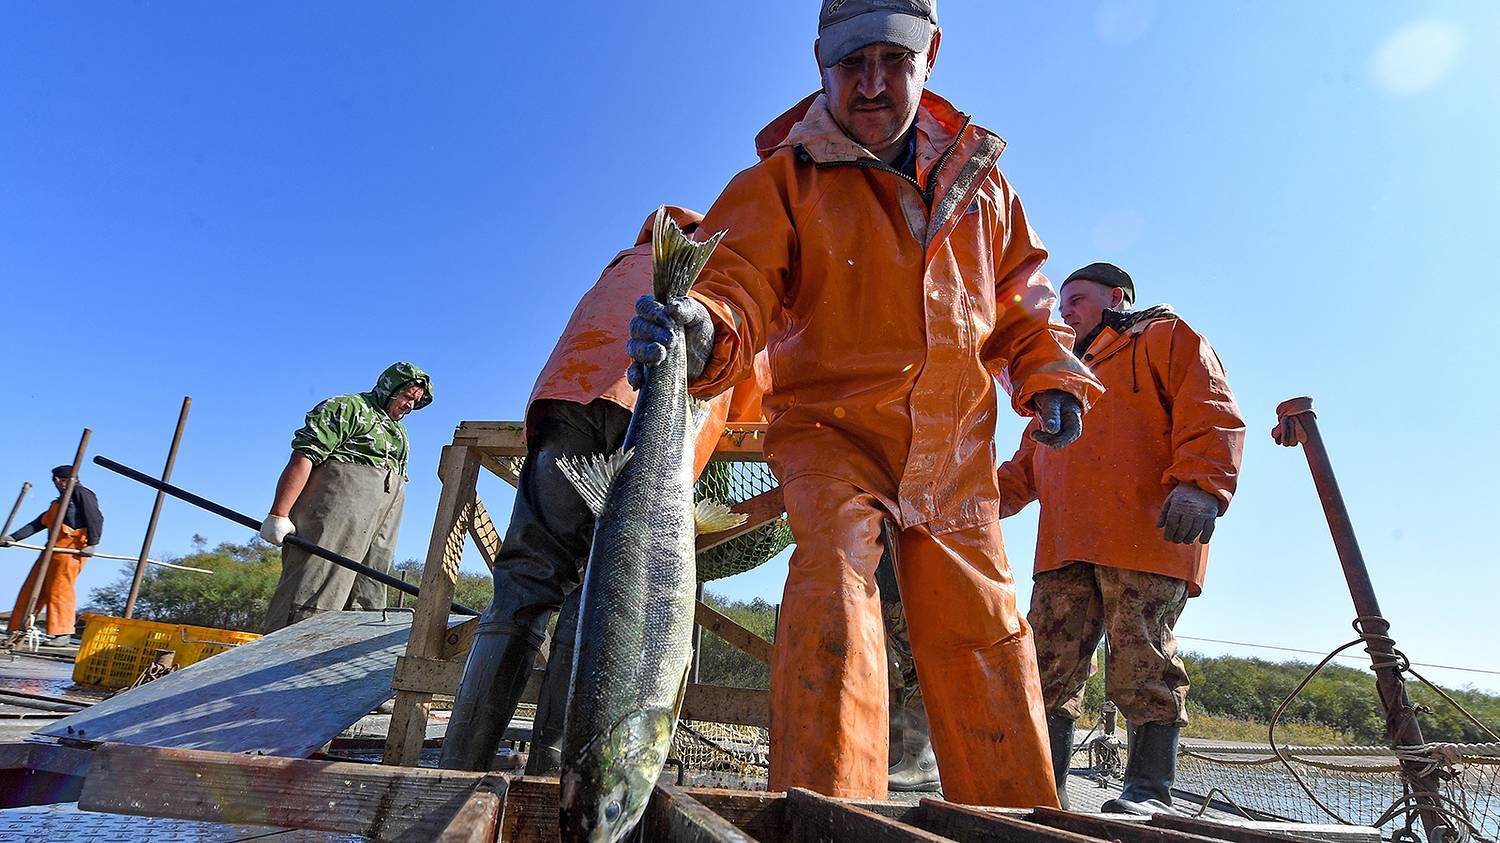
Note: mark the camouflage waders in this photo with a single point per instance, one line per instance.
(1072, 607)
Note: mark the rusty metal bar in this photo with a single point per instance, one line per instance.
(246, 521)
(1297, 424)
(53, 533)
(10, 519)
(166, 476)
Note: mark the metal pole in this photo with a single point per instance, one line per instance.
(166, 475)
(246, 521)
(697, 643)
(25, 487)
(1297, 423)
(53, 534)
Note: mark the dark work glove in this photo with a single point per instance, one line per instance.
(1060, 418)
(651, 332)
(1188, 514)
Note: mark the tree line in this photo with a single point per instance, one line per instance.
(1341, 698)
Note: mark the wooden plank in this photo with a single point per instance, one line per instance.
(458, 469)
(287, 693)
(762, 509)
(530, 814)
(672, 816)
(478, 821)
(1119, 830)
(459, 639)
(744, 441)
(972, 825)
(46, 757)
(1265, 832)
(428, 676)
(759, 814)
(733, 634)
(367, 799)
(812, 818)
(719, 704)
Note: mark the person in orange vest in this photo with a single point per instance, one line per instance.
(1127, 513)
(580, 404)
(884, 263)
(82, 528)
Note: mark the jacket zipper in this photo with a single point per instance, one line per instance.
(927, 194)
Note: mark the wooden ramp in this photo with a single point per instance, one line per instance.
(286, 694)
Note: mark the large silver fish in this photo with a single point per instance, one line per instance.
(634, 641)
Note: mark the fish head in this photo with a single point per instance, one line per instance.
(605, 792)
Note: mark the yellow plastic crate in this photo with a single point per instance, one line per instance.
(116, 650)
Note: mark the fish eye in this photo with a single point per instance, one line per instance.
(612, 810)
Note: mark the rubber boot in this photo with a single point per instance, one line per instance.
(545, 758)
(1060, 735)
(1148, 772)
(917, 770)
(494, 677)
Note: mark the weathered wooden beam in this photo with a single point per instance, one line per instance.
(761, 510)
(478, 821)
(459, 639)
(720, 704)
(744, 441)
(733, 634)
(368, 799)
(1264, 832)
(47, 758)
(812, 818)
(482, 531)
(672, 816)
(972, 825)
(530, 814)
(1118, 830)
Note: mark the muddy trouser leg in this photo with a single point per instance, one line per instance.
(540, 562)
(340, 510)
(552, 703)
(1067, 618)
(1147, 680)
(368, 595)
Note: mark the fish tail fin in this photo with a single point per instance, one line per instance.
(676, 259)
(713, 517)
(593, 476)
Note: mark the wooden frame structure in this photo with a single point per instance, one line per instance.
(404, 804)
(436, 651)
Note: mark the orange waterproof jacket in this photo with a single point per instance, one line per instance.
(589, 361)
(1168, 417)
(887, 310)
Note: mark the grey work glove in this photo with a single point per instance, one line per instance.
(651, 332)
(88, 551)
(1059, 416)
(1188, 514)
(6, 541)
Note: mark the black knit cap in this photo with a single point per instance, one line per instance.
(1107, 274)
(62, 471)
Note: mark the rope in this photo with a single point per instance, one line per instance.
(1411, 804)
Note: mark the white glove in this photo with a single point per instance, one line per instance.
(276, 528)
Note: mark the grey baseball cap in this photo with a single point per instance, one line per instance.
(848, 25)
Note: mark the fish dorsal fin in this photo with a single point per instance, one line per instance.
(713, 517)
(676, 259)
(593, 476)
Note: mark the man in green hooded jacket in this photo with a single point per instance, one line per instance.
(343, 490)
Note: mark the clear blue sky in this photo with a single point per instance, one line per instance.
(263, 204)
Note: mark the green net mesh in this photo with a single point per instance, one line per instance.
(731, 482)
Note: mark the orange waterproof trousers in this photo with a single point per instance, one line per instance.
(58, 598)
(973, 650)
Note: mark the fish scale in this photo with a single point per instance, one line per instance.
(634, 640)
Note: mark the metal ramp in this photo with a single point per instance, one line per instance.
(285, 694)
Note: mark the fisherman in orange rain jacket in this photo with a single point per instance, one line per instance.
(1127, 512)
(880, 257)
(581, 404)
(82, 528)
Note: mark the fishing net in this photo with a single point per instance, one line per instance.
(1357, 784)
(721, 754)
(731, 482)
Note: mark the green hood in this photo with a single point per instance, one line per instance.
(394, 379)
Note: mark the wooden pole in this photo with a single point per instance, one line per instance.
(166, 477)
(25, 487)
